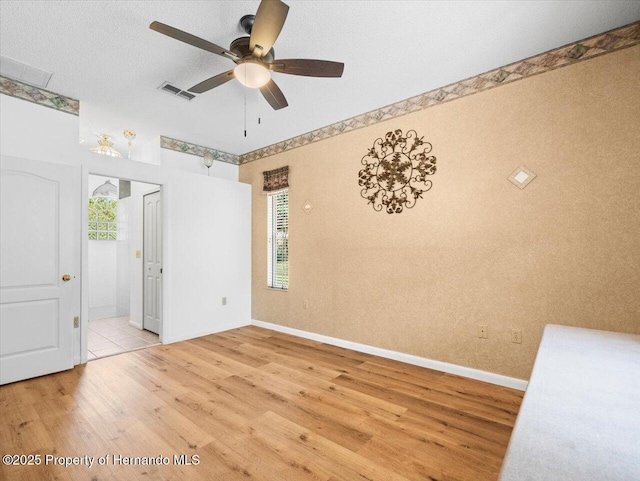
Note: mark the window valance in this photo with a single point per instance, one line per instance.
(277, 179)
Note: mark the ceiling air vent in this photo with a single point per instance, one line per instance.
(24, 73)
(175, 91)
(186, 95)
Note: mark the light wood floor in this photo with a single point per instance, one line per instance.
(254, 404)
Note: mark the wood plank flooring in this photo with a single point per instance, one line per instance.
(255, 404)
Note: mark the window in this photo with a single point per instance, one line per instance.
(102, 218)
(278, 240)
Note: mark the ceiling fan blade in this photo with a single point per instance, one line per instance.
(269, 20)
(191, 40)
(212, 82)
(273, 95)
(308, 68)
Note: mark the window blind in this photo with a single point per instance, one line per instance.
(278, 240)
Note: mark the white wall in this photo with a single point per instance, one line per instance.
(149, 153)
(195, 164)
(206, 221)
(210, 223)
(103, 298)
(36, 132)
(123, 258)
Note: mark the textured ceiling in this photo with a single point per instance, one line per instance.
(103, 53)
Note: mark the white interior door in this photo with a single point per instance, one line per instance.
(152, 257)
(39, 267)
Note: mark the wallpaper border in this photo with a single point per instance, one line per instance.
(198, 150)
(611, 41)
(20, 90)
(607, 42)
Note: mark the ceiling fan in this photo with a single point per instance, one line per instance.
(254, 55)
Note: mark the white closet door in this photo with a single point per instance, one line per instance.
(152, 262)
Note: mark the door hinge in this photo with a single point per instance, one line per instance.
(76, 322)
(161, 270)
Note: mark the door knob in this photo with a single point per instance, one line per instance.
(66, 278)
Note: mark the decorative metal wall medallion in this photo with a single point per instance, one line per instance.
(395, 171)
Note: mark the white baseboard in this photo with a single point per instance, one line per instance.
(107, 312)
(135, 324)
(469, 372)
(184, 337)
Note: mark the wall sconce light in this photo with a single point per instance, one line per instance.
(208, 160)
(306, 207)
(521, 177)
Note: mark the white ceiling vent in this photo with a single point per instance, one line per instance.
(173, 90)
(24, 73)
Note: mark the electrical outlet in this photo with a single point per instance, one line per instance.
(224, 301)
(483, 331)
(305, 304)
(516, 336)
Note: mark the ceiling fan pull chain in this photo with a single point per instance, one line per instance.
(254, 56)
(245, 112)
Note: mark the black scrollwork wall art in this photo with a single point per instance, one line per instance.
(396, 170)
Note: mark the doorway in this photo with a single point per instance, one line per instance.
(118, 298)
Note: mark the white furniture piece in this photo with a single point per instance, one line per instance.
(580, 417)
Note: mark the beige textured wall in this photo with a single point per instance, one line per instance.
(476, 249)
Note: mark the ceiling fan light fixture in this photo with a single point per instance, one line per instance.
(252, 74)
(254, 55)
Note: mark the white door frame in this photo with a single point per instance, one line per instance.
(84, 248)
(144, 258)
